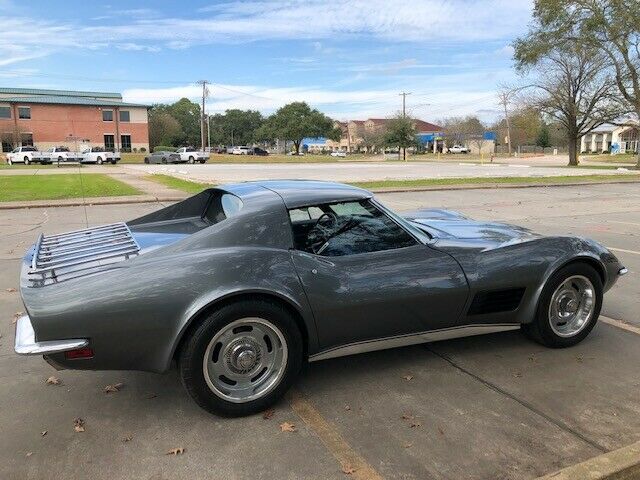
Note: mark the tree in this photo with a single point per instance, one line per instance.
(373, 140)
(163, 128)
(459, 130)
(187, 113)
(543, 140)
(611, 27)
(295, 121)
(575, 88)
(400, 132)
(236, 127)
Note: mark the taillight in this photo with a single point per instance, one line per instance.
(79, 353)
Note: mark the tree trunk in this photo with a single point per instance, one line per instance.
(296, 143)
(573, 150)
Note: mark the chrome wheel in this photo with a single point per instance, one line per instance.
(572, 306)
(245, 360)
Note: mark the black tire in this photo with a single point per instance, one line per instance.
(194, 346)
(164, 160)
(99, 160)
(146, 159)
(26, 160)
(192, 160)
(540, 329)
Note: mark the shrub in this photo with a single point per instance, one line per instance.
(160, 148)
(143, 150)
(135, 150)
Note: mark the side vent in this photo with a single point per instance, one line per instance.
(496, 301)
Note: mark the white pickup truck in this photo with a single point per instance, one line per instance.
(21, 155)
(458, 149)
(191, 155)
(57, 154)
(99, 155)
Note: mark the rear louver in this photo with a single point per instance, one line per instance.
(496, 301)
(74, 254)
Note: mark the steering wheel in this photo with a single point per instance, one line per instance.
(320, 231)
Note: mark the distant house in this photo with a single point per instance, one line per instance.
(49, 118)
(612, 139)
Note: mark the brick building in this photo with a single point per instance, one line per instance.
(47, 118)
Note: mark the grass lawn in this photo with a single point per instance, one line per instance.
(429, 182)
(56, 187)
(620, 158)
(178, 183)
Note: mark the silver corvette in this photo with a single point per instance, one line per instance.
(243, 283)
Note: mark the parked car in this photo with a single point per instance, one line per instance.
(260, 152)
(241, 284)
(339, 153)
(21, 155)
(219, 150)
(229, 150)
(458, 149)
(60, 154)
(242, 151)
(192, 155)
(163, 157)
(99, 156)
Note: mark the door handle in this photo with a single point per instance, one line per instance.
(314, 271)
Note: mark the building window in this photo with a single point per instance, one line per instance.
(24, 113)
(109, 143)
(125, 143)
(5, 112)
(125, 116)
(107, 115)
(26, 139)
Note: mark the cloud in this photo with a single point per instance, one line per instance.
(440, 21)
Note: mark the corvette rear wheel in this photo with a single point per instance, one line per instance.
(568, 308)
(242, 358)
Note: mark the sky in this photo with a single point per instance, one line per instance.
(348, 58)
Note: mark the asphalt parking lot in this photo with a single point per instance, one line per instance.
(488, 407)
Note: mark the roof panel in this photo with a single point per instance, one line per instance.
(64, 100)
(65, 93)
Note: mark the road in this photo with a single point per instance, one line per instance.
(488, 407)
(360, 171)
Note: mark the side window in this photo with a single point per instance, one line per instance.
(346, 228)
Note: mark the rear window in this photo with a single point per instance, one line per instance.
(222, 207)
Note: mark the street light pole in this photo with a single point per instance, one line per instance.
(404, 115)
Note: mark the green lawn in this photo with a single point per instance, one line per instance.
(178, 183)
(429, 182)
(620, 158)
(56, 187)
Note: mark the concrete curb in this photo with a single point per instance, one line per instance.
(75, 202)
(621, 464)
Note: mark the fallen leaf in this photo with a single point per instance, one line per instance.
(407, 377)
(152, 395)
(347, 407)
(287, 427)
(406, 416)
(267, 414)
(348, 470)
(175, 451)
(407, 445)
(127, 438)
(43, 433)
(29, 454)
(415, 425)
(78, 425)
(113, 388)
(517, 374)
(52, 381)
(440, 431)
(16, 316)
(11, 290)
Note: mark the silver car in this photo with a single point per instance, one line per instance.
(163, 157)
(241, 284)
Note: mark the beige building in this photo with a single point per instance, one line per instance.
(612, 139)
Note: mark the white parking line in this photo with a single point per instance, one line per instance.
(624, 223)
(620, 324)
(623, 250)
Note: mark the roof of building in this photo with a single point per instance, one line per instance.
(423, 126)
(65, 93)
(69, 100)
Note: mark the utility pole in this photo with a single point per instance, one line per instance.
(209, 132)
(404, 115)
(205, 92)
(504, 97)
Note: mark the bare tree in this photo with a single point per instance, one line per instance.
(574, 87)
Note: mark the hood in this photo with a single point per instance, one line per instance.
(445, 225)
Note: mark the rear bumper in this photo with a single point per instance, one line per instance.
(26, 344)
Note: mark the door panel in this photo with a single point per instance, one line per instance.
(381, 294)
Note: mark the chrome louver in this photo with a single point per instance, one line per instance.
(69, 255)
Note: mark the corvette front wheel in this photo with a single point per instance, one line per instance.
(242, 358)
(568, 308)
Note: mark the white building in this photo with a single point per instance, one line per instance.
(612, 139)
